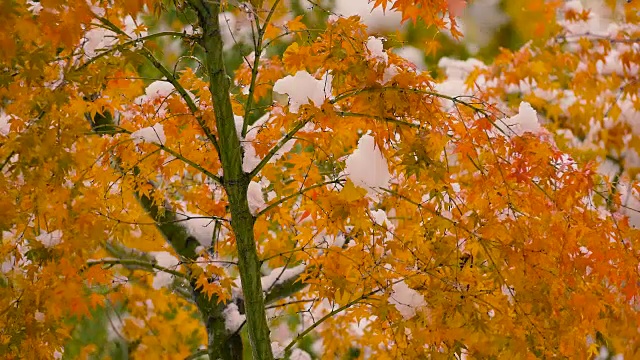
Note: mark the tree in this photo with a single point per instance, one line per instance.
(326, 200)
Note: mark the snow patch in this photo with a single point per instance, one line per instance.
(50, 239)
(367, 167)
(525, 121)
(406, 300)
(164, 259)
(280, 275)
(376, 20)
(153, 134)
(255, 198)
(5, 126)
(198, 226)
(232, 318)
(414, 55)
(303, 87)
(159, 90)
(376, 49)
(277, 349)
(299, 354)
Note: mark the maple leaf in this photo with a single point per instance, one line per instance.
(499, 232)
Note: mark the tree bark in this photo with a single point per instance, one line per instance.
(234, 180)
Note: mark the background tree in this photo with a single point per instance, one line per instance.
(270, 180)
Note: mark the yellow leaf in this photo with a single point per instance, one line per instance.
(352, 193)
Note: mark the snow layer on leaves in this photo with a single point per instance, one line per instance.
(34, 7)
(376, 19)
(299, 354)
(280, 275)
(255, 198)
(249, 158)
(277, 349)
(414, 55)
(164, 259)
(595, 24)
(367, 167)
(459, 69)
(525, 121)
(5, 126)
(50, 239)
(98, 40)
(376, 49)
(157, 90)
(630, 198)
(406, 300)
(303, 87)
(232, 318)
(152, 134)
(457, 72)
(39, 316)
(198, 226)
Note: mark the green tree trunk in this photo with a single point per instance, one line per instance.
(234, 180)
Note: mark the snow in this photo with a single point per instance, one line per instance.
(250, 159)
(414, 55)
(357, 328)
(457, 72)
(50, 239)
(255, 198)
(299, 354)
(164, 259)
(380, 217)
(459, 69)
(406, 300)
(376, 19)
(201, 228)
(39, 316)
(98, 40)
(232, 318)
(5, 126)
(7, 265)
(159, 89)
(376, 49)
(234, 30)
(631, 199)
(367, 167)
(525, 121)
(303, 87)
(612, 64)
(152, 134)
(239, 122)
(34, 7)
(280, 275)
(277, 349)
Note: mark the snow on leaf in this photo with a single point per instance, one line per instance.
(525, 121)
(406, 300)
(152, 134)
(281, 275)
(303, 87)
(367, 167)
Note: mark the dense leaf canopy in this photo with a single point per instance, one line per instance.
(333, 179)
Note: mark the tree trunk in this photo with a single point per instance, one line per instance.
(235, 181)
